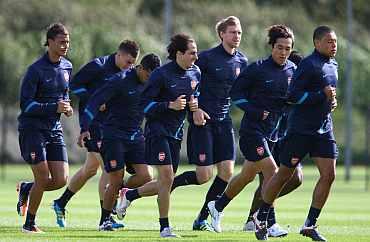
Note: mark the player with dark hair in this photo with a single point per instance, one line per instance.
(43, 98)
(87, 80)
(171, 92)
(260, 91)
(123, 141)
(293, 183)
(310, 130)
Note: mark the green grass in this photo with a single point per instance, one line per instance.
(346, 217)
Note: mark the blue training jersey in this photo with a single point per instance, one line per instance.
(311, 111)
(91, 77)
(44, 84)
(125, 115)
(165, 84)
(262, 86)
(219, 71)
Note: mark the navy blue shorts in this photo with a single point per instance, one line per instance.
(161, 150)
(254, 147)
(117, 153)
(42, 145)
(296, 146)
(95, 141)
(211, 143)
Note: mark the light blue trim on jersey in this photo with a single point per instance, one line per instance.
(304, 97)
(79, 90)
(150, 105)
(179, 129)
(89, 114)
(132, 137)
(29, 106)
(240, 101)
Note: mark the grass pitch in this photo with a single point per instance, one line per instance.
(346, 216)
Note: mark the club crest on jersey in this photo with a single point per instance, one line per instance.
(161, 156)
(66, 76)
(202, 157)
(237, 71)
(98, 144)
(33, 155)
(193, 84)
(260, 151)
(294, 161)
(113, 163)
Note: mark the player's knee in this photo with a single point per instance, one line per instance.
(42, 182)
(204, 175)
(167, 180)
(328, 177)
(225, 174)
(90, 171)
(147, 177)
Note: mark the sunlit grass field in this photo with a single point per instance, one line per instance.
(346, 216)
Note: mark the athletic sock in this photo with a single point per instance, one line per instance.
(105, 215)
(271, 219)
(163, 223)
(217, 188)
(64, 199)
(263, 212)
(30, 219)
(184, 179)
(133, 194)
(313, 214)
(222, 202)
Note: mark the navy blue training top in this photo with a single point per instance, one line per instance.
(125, 115)
(311, 112)
(219, 71)
(166, 84)
(89, 78)
(262, 87)
(44, 84)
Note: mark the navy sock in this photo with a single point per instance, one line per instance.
(313, 214)
(222, 202)
(105, 215)
(184, 179)
(271, 219)
(217, 188)
(27, 187)
(263, 212)
(133, 194)
(66, 196)
(163, 223)
(30, 219)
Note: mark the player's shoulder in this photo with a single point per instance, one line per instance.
(241, 56)
(65, 63)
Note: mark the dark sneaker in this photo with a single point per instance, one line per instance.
(22, 203)
(312, 233)
(60, 214)
(202, 226)
(116, 225)
(32, 229)
(106, 226)
(261, 230)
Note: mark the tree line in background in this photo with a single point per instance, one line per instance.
(97, 27)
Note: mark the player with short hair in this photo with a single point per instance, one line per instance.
(85, 82)
(123, 140)
(260, 91)
(43, 98)
(310, 130)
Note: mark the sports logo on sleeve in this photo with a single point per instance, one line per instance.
(237, 71)
(260, 150)
(289, 80)
(161, 156)
(66, 75)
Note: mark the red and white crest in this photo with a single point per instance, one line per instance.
(260, 150)
(193, 84)
(294, 160)
(161, 156)
(98, 144)
(113, 163)
(66, 76)
(33, 155)
(202, 157)
(237, 71)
